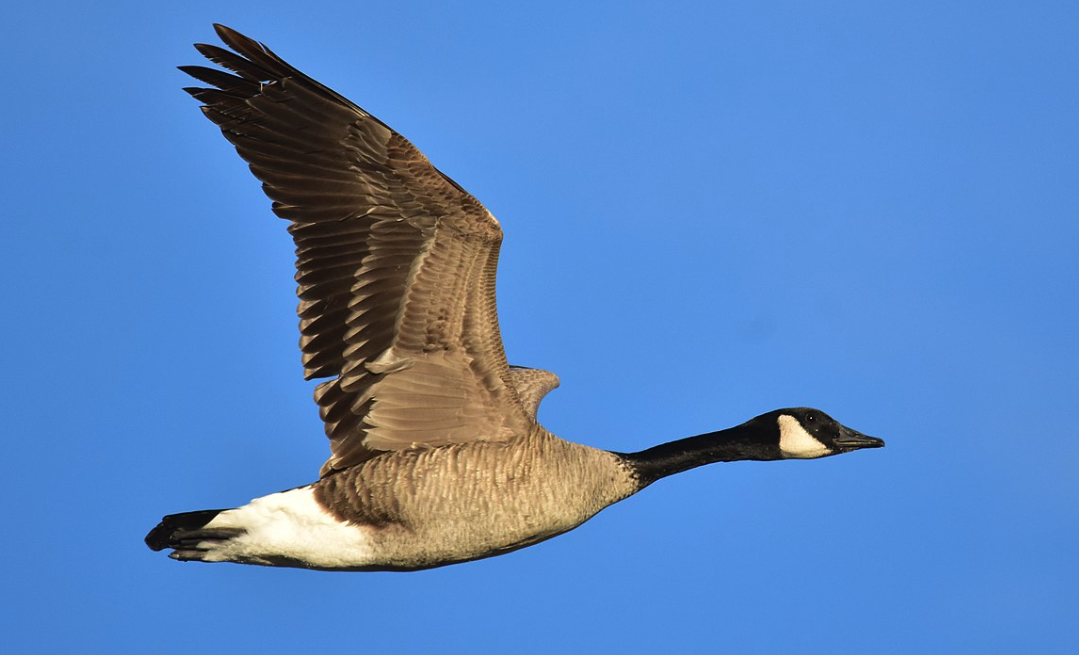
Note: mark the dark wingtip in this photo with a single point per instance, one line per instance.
(224, 31)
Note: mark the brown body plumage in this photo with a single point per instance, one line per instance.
(438, 505)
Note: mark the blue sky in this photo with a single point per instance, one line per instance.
(712, 209)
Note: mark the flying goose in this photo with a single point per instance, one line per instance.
(436, 456)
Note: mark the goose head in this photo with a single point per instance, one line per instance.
(808, 433)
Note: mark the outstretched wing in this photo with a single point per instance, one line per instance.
(395, 262)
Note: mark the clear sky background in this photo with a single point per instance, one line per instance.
(712, 209)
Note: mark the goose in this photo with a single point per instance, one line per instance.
(436, 454)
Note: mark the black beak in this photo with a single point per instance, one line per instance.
(849, 440)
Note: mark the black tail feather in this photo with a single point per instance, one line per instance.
(178, 530)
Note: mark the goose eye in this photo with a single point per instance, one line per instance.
(811, 417)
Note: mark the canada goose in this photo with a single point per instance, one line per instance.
(436, 454)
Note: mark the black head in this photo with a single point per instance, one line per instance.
(807, 433)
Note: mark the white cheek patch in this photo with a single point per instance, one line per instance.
(796, 443)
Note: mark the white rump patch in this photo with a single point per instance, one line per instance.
(796, 442)
(289, 524)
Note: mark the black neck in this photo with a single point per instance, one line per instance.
(733, 444)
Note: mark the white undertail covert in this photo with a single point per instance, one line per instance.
(289, 524)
